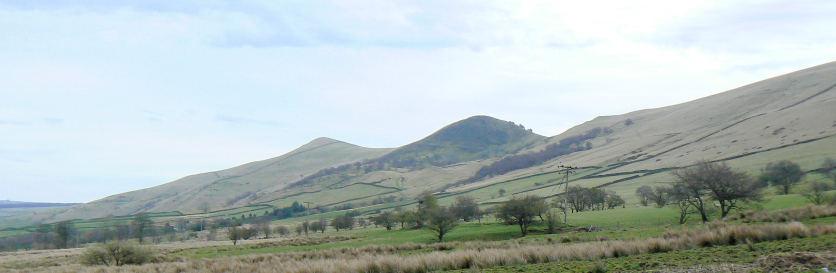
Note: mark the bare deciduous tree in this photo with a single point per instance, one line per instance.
(681, 201)
(426, 203)
(465, 208)
(385, 219)
(522, 211)
(816, 193)
(706, 181)
(613, 200)
(345, 221)
(63, 230)
(282, 230)
(264, 228)
(442, 221)
(828, 168)
(233, 234)
(323, 223)
(660, 196)
(783, 174)
(644, 193)
(731, 188)
(141, 226)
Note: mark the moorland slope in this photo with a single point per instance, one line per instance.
(791, 116)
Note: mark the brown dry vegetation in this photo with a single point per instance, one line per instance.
(299, 241)
(53, 257)
(449, 256)
(797, 261)
(786, 215)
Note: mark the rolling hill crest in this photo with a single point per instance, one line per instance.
(324, 164)
(791, 117)
(474, 138)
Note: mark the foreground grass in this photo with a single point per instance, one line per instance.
(716, 243)
(364, 237)
(625, 244)
(733, 257)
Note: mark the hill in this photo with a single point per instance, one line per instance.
(234, 187)
(325, 172)
(777, 113)
(474, 138)
(792, 117)
(4, 204)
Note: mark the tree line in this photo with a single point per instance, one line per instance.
(521, 161)
(580, 199)
(709, 187)
(430, 215)
(704, 189)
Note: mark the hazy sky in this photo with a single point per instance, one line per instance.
(102, 97)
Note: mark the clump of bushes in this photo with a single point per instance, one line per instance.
(117, 253)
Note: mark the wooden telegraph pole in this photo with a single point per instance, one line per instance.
(566, 170)
(309, 207)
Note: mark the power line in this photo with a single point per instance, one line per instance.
(566, 170)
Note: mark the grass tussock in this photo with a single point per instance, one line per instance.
(797, 261)
(786, 215)
(452, 256)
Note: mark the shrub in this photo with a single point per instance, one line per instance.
(782, 174)
(816, 193)
(522, 211)
(116, 253)
(552, 221)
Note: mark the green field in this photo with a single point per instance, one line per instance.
(331, 197)
(632, 223)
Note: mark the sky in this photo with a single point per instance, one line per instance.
(101, 97)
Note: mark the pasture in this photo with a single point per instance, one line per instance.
(621, 244)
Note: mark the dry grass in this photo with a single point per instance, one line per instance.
(38, 255)
(298, 241)
(68, 257)
(786, 215)
(724, 268)
(797, 261)
(449, 256)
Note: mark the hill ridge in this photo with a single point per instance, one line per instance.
(792, 116)
(473, 138)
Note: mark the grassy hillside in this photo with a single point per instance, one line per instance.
(478, 137)
(235, 187)
(633, 239)
(787, 117)
(790, 117)
(778, 112)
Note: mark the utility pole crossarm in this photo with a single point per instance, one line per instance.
(309, 207)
